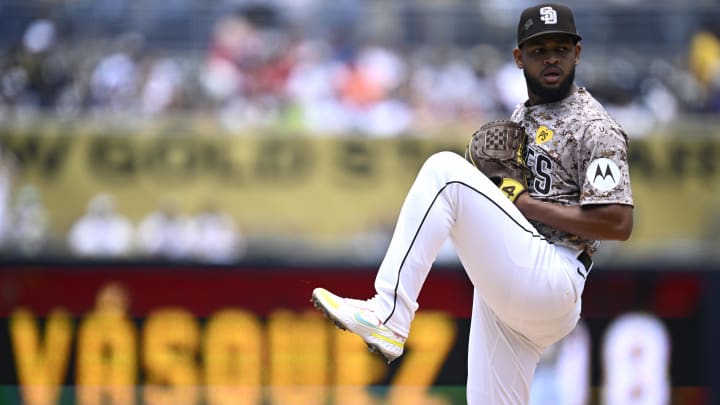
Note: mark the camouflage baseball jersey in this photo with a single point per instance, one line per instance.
(577, 155)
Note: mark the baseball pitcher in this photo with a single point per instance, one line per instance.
(525, 208)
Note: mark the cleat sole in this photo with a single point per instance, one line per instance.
(327, 314)
(374, 349)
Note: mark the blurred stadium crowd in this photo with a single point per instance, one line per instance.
(346, 67)
(370, 67)
(103, 232)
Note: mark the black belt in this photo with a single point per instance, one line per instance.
(585, 259)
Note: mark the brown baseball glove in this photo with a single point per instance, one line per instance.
(497, 150)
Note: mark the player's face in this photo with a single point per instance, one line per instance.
(548, 63)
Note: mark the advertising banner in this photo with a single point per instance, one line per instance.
(196, 335)
(322, 188)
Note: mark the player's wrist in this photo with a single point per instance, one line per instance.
(524, 202)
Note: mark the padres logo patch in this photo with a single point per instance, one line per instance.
(543, 135)
(548, 15)
(603, 174)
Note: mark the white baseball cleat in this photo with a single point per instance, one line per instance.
(358, 317)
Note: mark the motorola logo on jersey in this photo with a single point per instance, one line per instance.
(603, 174)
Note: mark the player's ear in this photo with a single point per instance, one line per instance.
(578, 50)
(518, 58)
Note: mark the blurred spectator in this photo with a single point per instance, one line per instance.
(705, 56)
(30, 234)
(311, 89)
(162, 87)
(248, 63)
(115, 80)
(215, 237)
(235, 42)
(704, 61)
(368, 90)
(36, 71)
(357, 85)
(101, 232)
(164, 233)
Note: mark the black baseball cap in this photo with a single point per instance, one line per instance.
(546, 18)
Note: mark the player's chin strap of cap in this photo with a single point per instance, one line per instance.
(585, 259)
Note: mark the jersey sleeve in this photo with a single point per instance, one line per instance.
(604, 174)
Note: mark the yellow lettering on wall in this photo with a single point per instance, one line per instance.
(354, 369)
(298, 358)
(232, 352)
(106, 359)
(41, 364)
(431, 339)
(170, 344)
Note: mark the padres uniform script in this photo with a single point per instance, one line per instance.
(528, 259)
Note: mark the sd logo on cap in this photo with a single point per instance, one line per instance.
(546, 18)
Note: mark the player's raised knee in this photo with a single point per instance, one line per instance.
(443, 166)
(444, 159)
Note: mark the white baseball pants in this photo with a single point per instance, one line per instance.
(526, 290)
